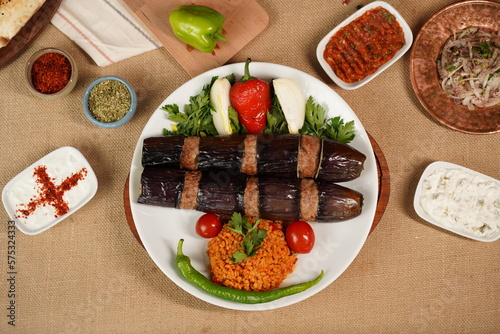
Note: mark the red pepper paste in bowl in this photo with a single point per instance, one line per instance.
(360, 48)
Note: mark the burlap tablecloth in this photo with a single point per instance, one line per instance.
(90, 275)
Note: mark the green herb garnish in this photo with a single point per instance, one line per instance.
(336, 129)
(196, 120)
(276, 121)
(252, 236)
(333, 128)
(236, 126)
(315, 119)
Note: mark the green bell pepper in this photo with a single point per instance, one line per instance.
(198, 26)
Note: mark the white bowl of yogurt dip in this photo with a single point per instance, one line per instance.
(49, 190)
(459, 200)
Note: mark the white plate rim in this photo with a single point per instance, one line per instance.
(421, 212)
(322, 45)
(91, 177)
(358, 228)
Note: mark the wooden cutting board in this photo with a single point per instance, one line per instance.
(384, 186)
(245, 19)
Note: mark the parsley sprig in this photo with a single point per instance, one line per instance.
(196, 120)
(276, 121)
(252, 236)
(317, 124)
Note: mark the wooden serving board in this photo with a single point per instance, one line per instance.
(30, 30)
(245, 19)
(383, 195)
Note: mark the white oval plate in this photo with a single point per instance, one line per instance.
(337, 244)
(424, 215)
(322, 45)
(57, 162)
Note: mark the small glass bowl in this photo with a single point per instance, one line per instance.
(69, 86)
(128, 116)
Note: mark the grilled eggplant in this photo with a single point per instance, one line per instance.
(339, 162)
(279, 199)
(337, 203)
(164, 153)
(266, 196)
(277, 154)
(288, 155)
(221, 194)
(224, 153)
(163, 187)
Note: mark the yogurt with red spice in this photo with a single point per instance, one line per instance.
(49, 190)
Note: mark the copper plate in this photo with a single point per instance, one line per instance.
(423, 71)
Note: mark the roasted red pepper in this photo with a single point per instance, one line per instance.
(251, 98)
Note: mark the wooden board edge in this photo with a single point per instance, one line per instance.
(384, 185)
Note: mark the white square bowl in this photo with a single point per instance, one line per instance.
(322, 45)
(60, 164)
(424, 215)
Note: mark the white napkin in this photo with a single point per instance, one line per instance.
(106, 29)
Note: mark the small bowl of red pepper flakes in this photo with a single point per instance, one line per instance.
(51, 73)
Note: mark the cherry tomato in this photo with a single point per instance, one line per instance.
(300, 237)
(208, 225)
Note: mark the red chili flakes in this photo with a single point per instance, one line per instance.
(51, 73)
(49, 193)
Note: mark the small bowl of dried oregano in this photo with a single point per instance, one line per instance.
(109, 101)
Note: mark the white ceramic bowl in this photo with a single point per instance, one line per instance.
(440, 222)
(24, 188)
(322, 45)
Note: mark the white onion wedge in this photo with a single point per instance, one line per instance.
(219, 99)
(293, 102)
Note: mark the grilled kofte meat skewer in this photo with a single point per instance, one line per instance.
(266, 196)
(302, 156)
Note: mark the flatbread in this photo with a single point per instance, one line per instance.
(14, 14)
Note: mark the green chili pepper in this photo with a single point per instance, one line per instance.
(187, 271)
(198, 26)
